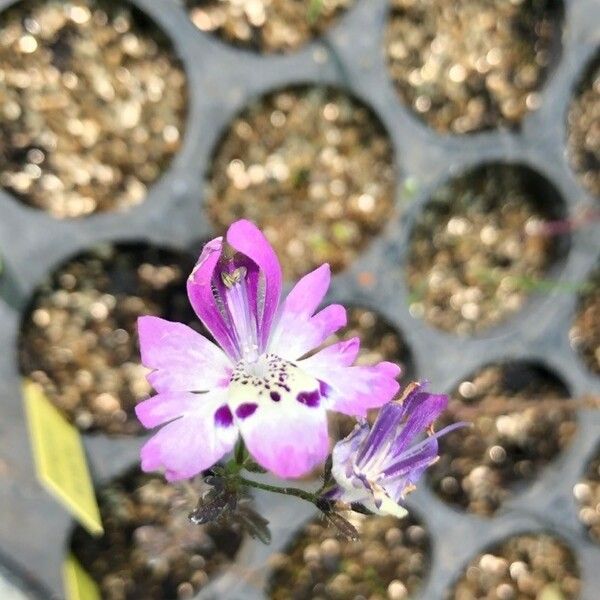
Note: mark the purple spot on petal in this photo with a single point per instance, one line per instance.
(324, 388)
(245, 410)
(275, 396)
(308, 398)
(223, 416)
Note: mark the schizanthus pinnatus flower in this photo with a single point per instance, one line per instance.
(376, 466)
(258, 383)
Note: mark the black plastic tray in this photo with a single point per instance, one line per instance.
(34, 529)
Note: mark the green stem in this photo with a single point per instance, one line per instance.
(286, 491)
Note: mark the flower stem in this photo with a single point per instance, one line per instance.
(240, 452)
(286, 491)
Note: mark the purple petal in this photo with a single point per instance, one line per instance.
(340, 354)
(344, 452)
(183, 359)
(361, 388)
(384, 429)
(298, 308)
(202, 297)
(247, 239)
(411, 464)
(412, 457)
(409, 470)
(415, 458)
(325, 323)
(191, 444)
(307, 294)
(414, 397)
(389, 420)
(421, 411)
(287, 438)
(296, 334)
(166, 406)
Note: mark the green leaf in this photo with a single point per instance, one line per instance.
(254, 524)
(213, 506)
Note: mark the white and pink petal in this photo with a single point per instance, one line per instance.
(282, 418)
(296, 330)
(181, 358)
(382, 504)
(352, 390)
(167, 406)
(301, 336)
(194, 441)
(289, 442)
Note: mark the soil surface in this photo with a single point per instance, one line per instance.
(470, 65)
(79, 338)
(525, 567)
(521, 421)
(150, 550)
(313, 168)
(93, 103)
(475, 251)
(389, 562)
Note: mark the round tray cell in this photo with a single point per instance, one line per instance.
(583, 130)
(476, 251)
(93, 105)
(524, 567)
(521, 421)
(313, 168)
(379, 340)
(587, 494)
(150, 549)
(79, 337)
(266, 25)
(585, 331)
(390, 561)
(470, 65)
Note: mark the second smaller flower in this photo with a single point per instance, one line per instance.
(377, 466)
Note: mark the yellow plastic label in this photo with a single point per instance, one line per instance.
(60, 458)
(551, 591)
(78, 583)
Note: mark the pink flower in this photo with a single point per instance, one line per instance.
(257, 384)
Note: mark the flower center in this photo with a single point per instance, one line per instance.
(271, 381)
